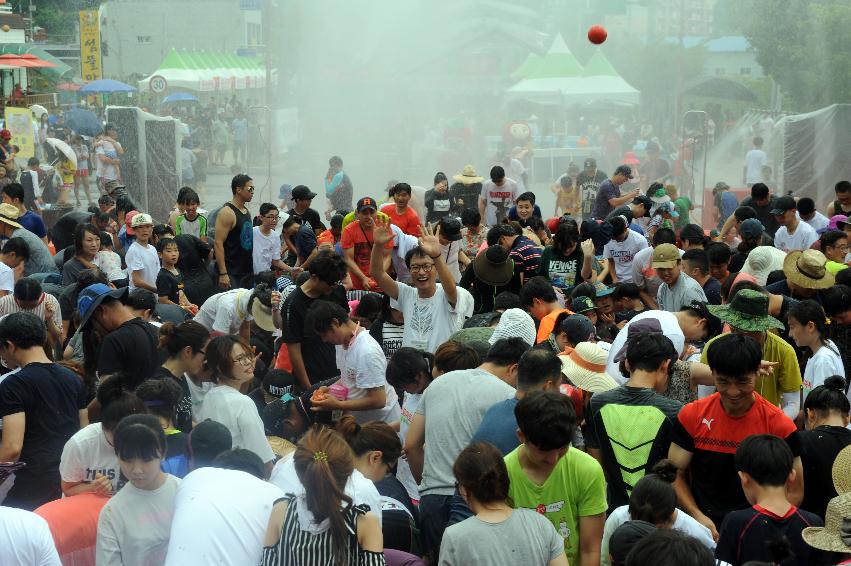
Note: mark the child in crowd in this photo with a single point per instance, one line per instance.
(808, 328)
(67, 169)
(135, 524)
(764, 464)
(190, 221)
(161, 397)
(81, 175)
(143, 263)
(170, 279)
(110, 262)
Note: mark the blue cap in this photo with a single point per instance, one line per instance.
(92, 296)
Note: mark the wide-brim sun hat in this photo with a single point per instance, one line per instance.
(493, 266)
(468, 176)
(837, 527)
(8, 214)
(262, 315)
(841, 471)
(585, 367)
(808, 269)
(762, 260)
(747, 311)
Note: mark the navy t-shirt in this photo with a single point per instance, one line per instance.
(499, 426)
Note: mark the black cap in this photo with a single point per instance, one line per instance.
(366, 202)
(645, 200)
(783, 204)
(278, 382)
(301, 192)
(590, 163)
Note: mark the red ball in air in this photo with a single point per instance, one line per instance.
(597, 34)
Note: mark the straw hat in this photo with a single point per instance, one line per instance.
(837, 527)
(8, 214)
(585, 367)
(762, 260)
(808, 269)
(842, 471)
(468, 176)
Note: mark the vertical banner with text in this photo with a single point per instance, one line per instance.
(19, 123)
(90, 59)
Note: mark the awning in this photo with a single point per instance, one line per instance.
(204, 71)
(60, 70)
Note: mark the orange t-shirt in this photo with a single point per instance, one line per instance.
(361, 241)
(548, 323)
(73, 522)
(409, 222)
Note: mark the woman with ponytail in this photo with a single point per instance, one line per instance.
(826, 412)
(186, 345)
(807, 324)
(497, 534)
(321, 526)
(654, 501)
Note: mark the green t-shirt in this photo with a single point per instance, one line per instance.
(576, 488)
(683, 205)
(786, 375)
(563, 272)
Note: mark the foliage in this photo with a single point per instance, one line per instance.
(58, 17)
(801, 44)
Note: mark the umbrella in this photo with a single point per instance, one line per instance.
(106, 85)
(84, 122)
(36, 62)
(68, 86)
(180, 97)
(17, 61)
(38, 110)
(63, 148)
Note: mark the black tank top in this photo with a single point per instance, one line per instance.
(837, 208)
(238, 245)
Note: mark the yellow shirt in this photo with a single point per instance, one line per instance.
(786, 375)
(67, 170)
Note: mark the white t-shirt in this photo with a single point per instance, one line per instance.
(358, 487)
(108, 148)
(25, 539)
(362, 366)
(144, 259)
(134, 526)
(825, 363)
(683, 523)
(670, 328)
(450, 256)
(224, 312)
(402, 244)
(87, 454)
(266, 249)
(238, 413)
(403, 469)
(198, 393)
(804, 237)
(498, 198)
(818, 222)
(7, 278)
(430, 322)
(220, 517)
(755, 159)
(623, 253)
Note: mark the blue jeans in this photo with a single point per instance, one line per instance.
(436, 513)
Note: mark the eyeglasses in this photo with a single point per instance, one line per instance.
(244, 359)
(424, 267)
(249, 189)
(272, 217)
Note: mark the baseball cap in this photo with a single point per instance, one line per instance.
(665, 256)
(364, 203)
(751, 228)
(91, 298)
(590, 163)
(645, 200)
(301, 192)
(141, 219)
(578, 328)
(277, 382)
(783, 204)
(642, 326)
(5, 134)
(128, 221)
(582, 304)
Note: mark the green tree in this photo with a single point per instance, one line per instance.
(800, 43)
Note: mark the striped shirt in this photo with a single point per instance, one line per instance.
(297, 547)
(526, 256)
(8, 305)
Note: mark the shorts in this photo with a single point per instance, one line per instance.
(81, 173)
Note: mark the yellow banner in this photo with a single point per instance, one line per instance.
(19, 122)
(90, 59)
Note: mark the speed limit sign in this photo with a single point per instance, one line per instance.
(158, 84)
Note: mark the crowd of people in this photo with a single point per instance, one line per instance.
(449, 378)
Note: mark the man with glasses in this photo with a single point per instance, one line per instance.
(432, 314)
(234, 235)
(312, 359)
(266, 248)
